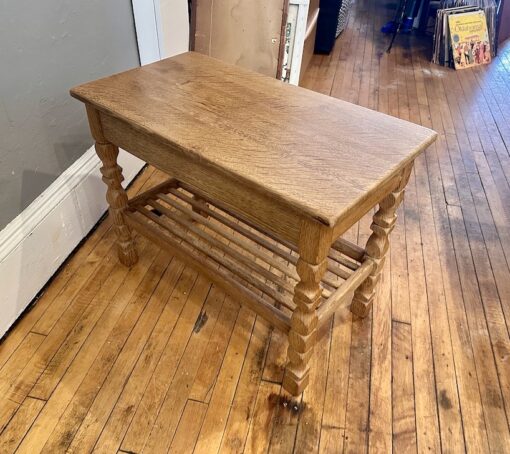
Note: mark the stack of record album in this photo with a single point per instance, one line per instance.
(442, 50)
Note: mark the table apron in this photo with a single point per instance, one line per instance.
(260, 209)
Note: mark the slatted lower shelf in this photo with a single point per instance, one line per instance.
(252, 265)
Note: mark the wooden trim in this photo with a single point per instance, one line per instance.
(281, 49)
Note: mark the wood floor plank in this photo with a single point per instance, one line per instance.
(20, 424)
(189, 427)
(427, 421)
(243, 404)
(403, 410)
(475, 434)
(213, 357)
(160, 281)
(310, 421)
(380, 436)
(356, 423)
(276, 357)
(120, 418)
(358, 389)
(285, 422)
(209, 439)
(33, 369)
(55, 301)
(61, 360)
(75, 286)
(44, 301)
(335, 402)
(452, 436)
(497, 329)
(492, 399)
(446, 385)
(259, 434)
(400, 304)
(81, 268)
(332, 440)
(175, 400)
(16, 363)
(65, 408)
(157, 387)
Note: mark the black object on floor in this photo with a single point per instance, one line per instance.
(326, 25)
(399, 20)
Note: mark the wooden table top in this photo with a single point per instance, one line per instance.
(318, 154)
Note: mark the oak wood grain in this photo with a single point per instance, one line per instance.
(318, 155)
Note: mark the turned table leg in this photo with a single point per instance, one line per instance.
(115, 194)
(378, 244)
(314, 244)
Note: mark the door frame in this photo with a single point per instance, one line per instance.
(162, 28)
(149, 33)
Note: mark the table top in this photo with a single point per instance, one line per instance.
(318, 154)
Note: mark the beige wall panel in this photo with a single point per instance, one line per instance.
(241, 32)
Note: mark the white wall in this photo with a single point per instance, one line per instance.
(162, 28)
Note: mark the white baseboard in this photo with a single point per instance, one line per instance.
(39, 239)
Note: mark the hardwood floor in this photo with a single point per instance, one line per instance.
(154, 358)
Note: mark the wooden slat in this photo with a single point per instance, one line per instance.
(344, 292)
(243, 258)
(220, 259)
(349, 249)
(330, 284)
(188, 255)
(230, 237)
(161, 187)
(234, 226)
(332, 267)
(336, 256)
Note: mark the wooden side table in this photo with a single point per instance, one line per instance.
(265, 178)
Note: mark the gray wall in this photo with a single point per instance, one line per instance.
(46, 47)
